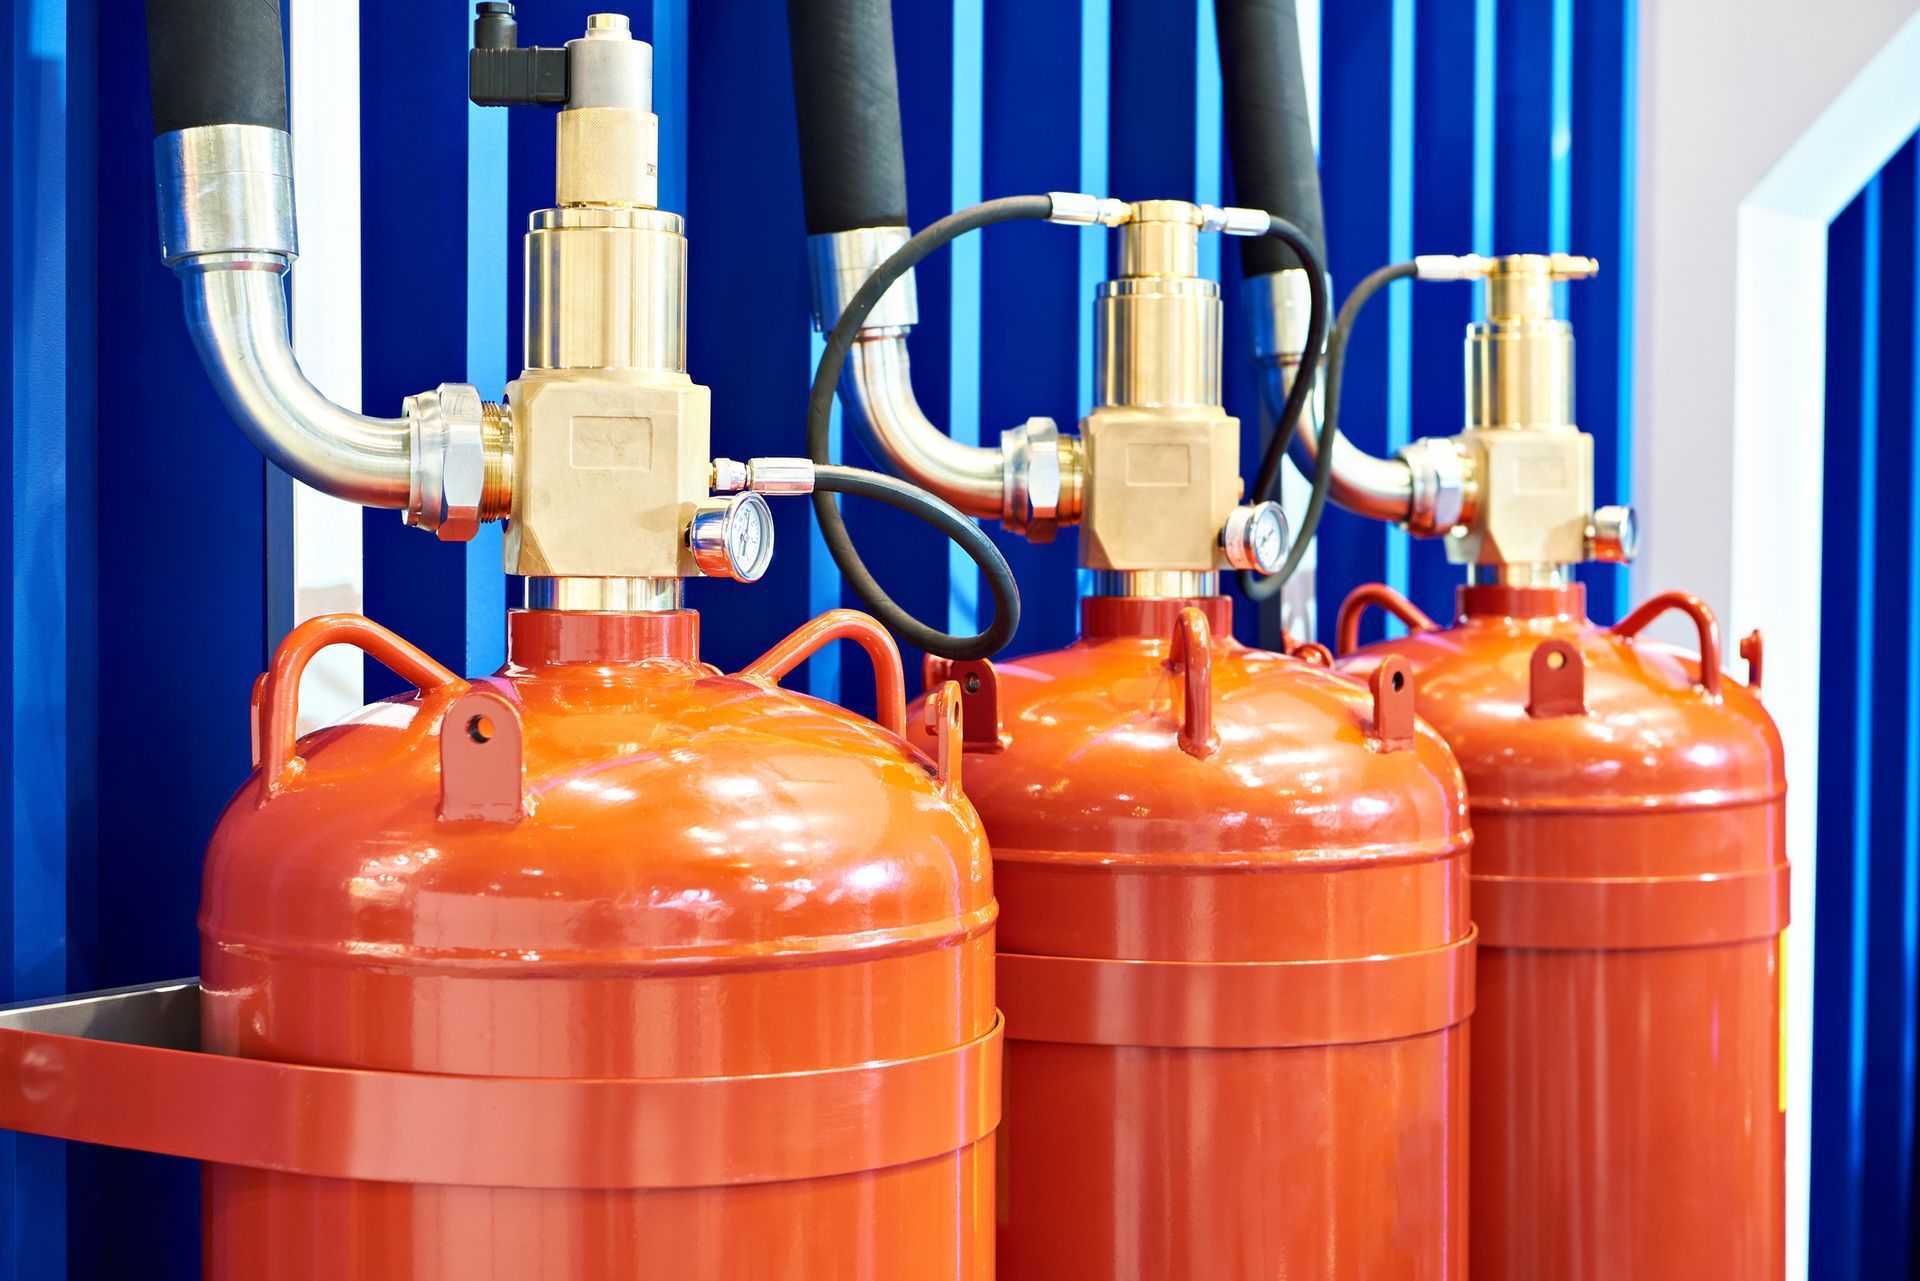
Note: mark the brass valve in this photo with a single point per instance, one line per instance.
(612, 453)
(1527, 469)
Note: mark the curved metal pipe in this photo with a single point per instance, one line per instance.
(877, 389)
(1380, 488)
(237, 312)
(227, 230)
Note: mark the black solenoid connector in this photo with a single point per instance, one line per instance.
(502, 74)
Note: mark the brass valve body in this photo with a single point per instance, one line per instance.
(1161, 460)
(612, 445)
(1530, 469)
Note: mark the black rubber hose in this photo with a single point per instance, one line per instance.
(1262, 589)
(846, 94)
(216, 62)
(832, 479)
(833, 526)
(1269, 130)
(1266, 483)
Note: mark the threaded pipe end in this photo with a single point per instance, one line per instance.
(496, 494)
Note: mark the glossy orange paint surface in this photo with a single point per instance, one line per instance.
(1630, 886)
(1235, 961)
(694, 895)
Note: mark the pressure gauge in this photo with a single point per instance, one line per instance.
(1255, 538)
(733, 539)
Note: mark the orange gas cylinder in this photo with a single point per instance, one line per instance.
(715, 959)
(1630, 886)
(1235, 958)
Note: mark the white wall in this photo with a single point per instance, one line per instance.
(1759, 120)
(324, 106)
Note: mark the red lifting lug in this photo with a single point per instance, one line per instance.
(1312, 653)
(1557, 680)
(1393, 717)
(934, 671)
(943, 722)
(482, 766)
(979, 703)
(1752, 650)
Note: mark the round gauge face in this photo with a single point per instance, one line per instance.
(749, 536)
(1267, 537)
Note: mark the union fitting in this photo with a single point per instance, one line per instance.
(461, 461)
(1041, 477)
(1442, 479)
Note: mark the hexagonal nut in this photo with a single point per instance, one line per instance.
(447, 426)
(1032, 478)
(1438, 469)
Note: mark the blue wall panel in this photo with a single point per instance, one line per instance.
(1471, 125)
(153, 547)
(1868, 899)
(421, 309)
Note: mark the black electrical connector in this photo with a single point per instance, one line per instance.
(502, 74)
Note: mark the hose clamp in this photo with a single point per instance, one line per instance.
(448, 433)
(225, 189)
(840, 262)
(1280, 311)
(1440, 474)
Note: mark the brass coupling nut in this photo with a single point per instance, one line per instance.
(1442, 483)
(1040, 477)
(455, 480)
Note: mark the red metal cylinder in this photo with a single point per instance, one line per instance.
(1630, 887)
(611, 864)
(1235, 959)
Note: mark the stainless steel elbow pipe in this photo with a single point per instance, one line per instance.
(1381, 488)
(227, 230)
(876, 388)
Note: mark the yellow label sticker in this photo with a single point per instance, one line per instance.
(1781, 962)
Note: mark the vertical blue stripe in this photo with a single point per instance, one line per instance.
(963, 412)
(1096, 35)
(1863, 693)
(1486, 28)
(1096, 52)
(1208, 133)
(488, 237)
(1560, 143)
(1486, 47)
(1400, 175)
(37, 713)
(822, 676)
(1626, 256)
(1906, 974)
(670, 99)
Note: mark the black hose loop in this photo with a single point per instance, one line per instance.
(833, 526)
(1264, 589)
(949, 520)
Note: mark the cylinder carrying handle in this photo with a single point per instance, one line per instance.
(278, 707)
(1347, 629)
(1191, 654)
(1705, 624)
(814, 635)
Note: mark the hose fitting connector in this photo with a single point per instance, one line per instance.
(1042, 477)
(457, 482)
